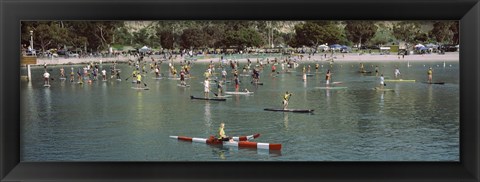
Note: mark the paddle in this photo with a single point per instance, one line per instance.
(128, 77)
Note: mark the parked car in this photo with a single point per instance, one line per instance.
(71, 54)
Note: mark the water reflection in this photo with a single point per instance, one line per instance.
(285, 120)
(207, 116)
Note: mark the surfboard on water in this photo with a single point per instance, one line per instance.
(336, 83)
(159, 78)
(245, 75)
(119, 80)
(213, 99)
(46, 85)
(307, 75)
(257, 83)
(141, 88)
(222, 96)
(63, 78)
(331, 88)
(399, 80)
(440, 83)
(364, 71)
(170, 78)
(104, 80)
(289, 110)
(239, 93)
(180, 85)
(384, 89)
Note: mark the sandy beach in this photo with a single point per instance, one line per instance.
(348, 57)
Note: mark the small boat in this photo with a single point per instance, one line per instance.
(239, 93)
(289, 110)
(441, 83)
(240, 142)
(213, 99)
(331, 88)
(141, 88)
(399, 80)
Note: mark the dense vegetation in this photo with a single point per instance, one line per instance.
(97, 36)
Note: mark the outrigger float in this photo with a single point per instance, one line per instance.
(240, 142)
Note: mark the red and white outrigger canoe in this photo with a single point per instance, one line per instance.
(241, 141)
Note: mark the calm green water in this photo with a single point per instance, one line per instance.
(109, 121)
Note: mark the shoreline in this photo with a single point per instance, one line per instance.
(348, 57)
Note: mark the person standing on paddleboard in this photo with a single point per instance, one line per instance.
(104, 74)
(62, 73)
(328, 77)
(46, 77)
(430, 75)
(397, 72)
(286, 97)
(139, 80)
(72, 74)
(221, 134)
(237, 83)
(182, 78)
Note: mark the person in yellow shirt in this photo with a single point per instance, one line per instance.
(221, 133)
(139, 80)
(286, 97)
(430, 75)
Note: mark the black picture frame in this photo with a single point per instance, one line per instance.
(13, 11)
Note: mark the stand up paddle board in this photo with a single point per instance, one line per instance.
(441, 83)
(289, 110)
(213, 99)
(331, 88)
(141, 88)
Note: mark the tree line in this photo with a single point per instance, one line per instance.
(95, 36)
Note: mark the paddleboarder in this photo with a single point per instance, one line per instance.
(62, 73)
(328, 77)
(397, 72)
(430, 75)
(46, 77)
(286, 97)
(139, 80)
(72, 74)
(382, 81)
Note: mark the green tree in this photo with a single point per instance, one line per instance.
(406, 31)
(382, 36)
(166, 39)
(192, 38)
(314, 33)
(360, 31)
(442, 32)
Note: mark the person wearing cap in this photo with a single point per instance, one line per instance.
(430, 75)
